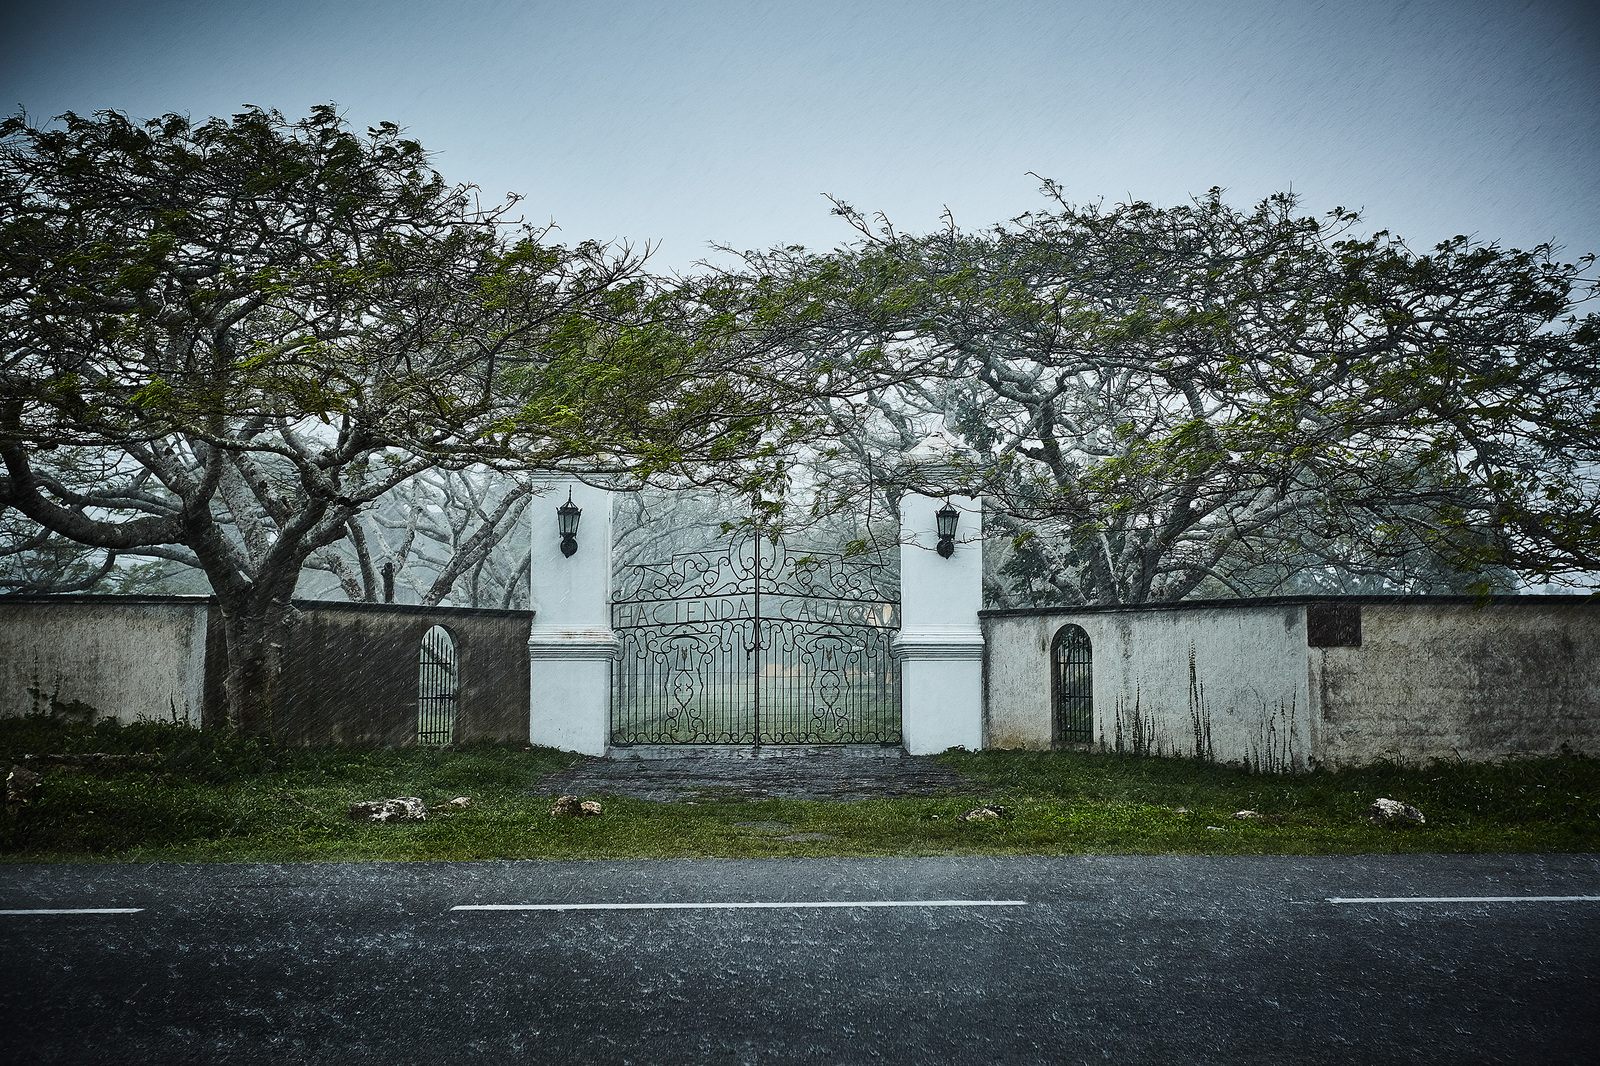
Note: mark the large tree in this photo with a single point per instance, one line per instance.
(222, 342)
(1164, 402)
(253, 328)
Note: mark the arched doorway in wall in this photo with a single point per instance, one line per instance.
(437, 682)
(1072, 687)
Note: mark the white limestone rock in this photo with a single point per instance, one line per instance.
(1388, 811)
(402, 809)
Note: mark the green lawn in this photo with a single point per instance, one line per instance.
(212, 797)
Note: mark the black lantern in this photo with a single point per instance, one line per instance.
(946, 517)
(567, 522)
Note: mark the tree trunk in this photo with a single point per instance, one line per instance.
(255, 635)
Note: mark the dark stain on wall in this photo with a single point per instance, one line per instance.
(1333, 625)
(1199, 714)
(351, 673)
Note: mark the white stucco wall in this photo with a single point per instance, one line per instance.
(1228, 681)
(130, 658)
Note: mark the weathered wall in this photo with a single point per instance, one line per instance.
(350, 669)
(1452, 679)
(351, 673)
(128, 657)
(1431, 678)
(1228, 681)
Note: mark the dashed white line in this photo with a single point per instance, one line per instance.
(773, 905)
(1465, 899)
(76, 910)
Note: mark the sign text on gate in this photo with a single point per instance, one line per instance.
(774, 607)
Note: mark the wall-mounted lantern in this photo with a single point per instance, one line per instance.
(567, 522)
(946, 517)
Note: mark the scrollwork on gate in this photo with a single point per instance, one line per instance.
(737, 570)
(756, 644)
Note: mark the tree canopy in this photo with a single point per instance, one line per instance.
(1162, 402)
(220, 341)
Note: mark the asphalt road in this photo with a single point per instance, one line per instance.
(1081, 959)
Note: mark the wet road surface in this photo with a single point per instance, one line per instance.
(1124, 959)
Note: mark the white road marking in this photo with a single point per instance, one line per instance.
(1465, 899)
(77, 910)
(775, 905)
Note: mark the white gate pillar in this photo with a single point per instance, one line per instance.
(570, 647)
(940, 643)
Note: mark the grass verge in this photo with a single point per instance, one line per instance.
(213, 797)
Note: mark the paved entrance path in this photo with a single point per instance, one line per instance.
(845, 774)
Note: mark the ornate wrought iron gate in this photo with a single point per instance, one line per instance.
(756, 644)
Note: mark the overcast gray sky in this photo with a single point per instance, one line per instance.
(698, 121)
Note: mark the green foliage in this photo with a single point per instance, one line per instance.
(1202, 400)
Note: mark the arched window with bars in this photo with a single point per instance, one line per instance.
(1072, 687)
(437, 683)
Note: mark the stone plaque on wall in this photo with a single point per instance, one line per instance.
(1333, 625)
